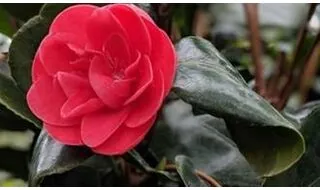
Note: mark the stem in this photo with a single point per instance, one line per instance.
(254, 34)
(296, 76)
(291, 79)
(274, 79)
(309, 73)
(302, 34)
(200, 174)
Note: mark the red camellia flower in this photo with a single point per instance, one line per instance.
(100, 76)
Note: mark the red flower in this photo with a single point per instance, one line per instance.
(100, 76)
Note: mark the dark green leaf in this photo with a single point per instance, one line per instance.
(98, 170)
(208, 81)
(77, 177)
(23, 48)
(5, 26)
(187, 172)
(205, 140)
(15, 162)
(306, 172)
(22, 11)
(13, 99)
(300, 114)
(50, 157)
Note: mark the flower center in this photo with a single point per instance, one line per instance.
(117, 75)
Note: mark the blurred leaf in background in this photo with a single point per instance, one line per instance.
(6, 25)
(22, 11)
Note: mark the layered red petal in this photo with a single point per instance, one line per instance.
(143, 73)
(98, 127)
(100, 26)
(162, 55)
(148, 104)
(73, 20)
(138, 35)
(45, 99)
(69, 135)
(124, 139)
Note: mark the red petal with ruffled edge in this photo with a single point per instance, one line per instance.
(124, 139)
(147, 105)
(69, 135)
(112, 92)
(98, 127)
(162, 55)
(45, 99)
(136, 30)
(55, 55)
(100, 26)
(73, 20)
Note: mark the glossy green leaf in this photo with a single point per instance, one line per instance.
(306, 172)
(208, 81)
(23, 48)
(205, 140)
(187, 172)
(13, 122)
(300, 114)
(14, 113)
(50, 157)
(13, 99)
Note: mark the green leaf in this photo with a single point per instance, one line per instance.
(187, 172)
(50, 157)
(14, 113)
(5, 26)
(306, 172)
(205, 140)
(300, 114)
(162, 164)
(22, 11)
(23, 48)
(13, 122)
(13, 99)
(208, 81)
(15, 162)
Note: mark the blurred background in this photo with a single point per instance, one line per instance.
(225, 25)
